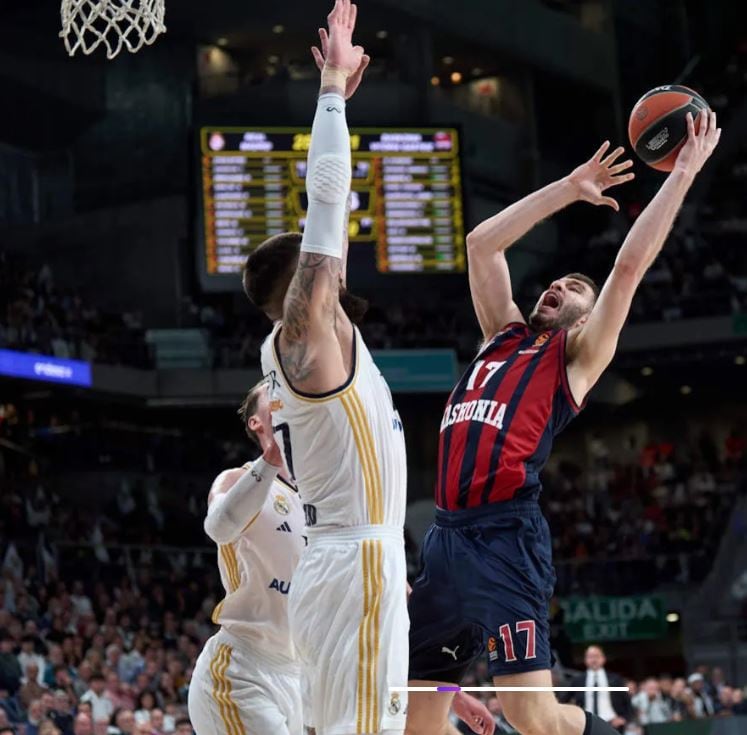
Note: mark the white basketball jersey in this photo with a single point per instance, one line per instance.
(346, 448)
(256, 572)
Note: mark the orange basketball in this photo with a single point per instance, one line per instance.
(658, 129)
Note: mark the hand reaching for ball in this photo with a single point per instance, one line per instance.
(699, 145)
(592, 178)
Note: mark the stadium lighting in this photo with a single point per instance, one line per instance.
(673, 617)
(456, 77)
(740, 360)
(686, 390)
(448, 60)
(223, 41)
(435, 81)
(278, 28)
(381, 34)
(646, 371)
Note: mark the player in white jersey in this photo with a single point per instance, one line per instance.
(341, 437)
(247, 678)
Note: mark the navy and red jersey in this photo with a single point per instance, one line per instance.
(500, 420)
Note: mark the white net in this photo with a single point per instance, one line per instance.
(114, 24)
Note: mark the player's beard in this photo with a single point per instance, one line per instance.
(354, 306)
(563, 318)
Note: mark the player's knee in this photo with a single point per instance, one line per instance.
(533, 720)
(328, 180)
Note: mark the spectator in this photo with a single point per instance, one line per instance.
(651, 706)
(702, 701)
(29, 655)
(62, 714)
(47, 727)
(101, 704)
(47, 700)
(725, 702)
(10, 669)
(82, 680)
(613, 707)
(157, 722)
(740, 703)
(83, 724)
(30, 688)
(10, 706)
(183, 726)
(123, 722)
(63, 682)
(34, 717)
(146, 702)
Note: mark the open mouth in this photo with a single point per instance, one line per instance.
(551, 299)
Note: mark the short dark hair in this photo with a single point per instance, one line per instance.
(7, 730)
(268, 265)
(590, 282)
(248, 408)
(182, 721)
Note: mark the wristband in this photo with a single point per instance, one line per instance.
(333, 76)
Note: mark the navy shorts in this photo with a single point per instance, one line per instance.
(486, 585)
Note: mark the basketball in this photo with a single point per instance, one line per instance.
(658, 129)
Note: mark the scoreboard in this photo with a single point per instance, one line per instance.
(406, 197)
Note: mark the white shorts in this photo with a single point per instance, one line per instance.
(236, 691)
(348, 613)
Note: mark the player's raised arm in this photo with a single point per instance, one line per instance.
(489, 278)
(353, 82)
(311, 353)
(592, 346)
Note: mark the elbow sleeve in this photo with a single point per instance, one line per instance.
(230, 513)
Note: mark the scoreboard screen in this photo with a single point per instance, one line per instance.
(406, 197)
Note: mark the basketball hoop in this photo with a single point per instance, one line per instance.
(88, 24)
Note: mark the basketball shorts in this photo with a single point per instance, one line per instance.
(348, 615)
(237, 691)
(486, 585)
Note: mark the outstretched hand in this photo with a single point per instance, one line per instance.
(592, 178)
(320, 56)
(698, 146)
(340, 53)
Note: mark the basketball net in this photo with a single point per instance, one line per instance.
(88, 24)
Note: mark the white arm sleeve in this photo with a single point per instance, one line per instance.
(230, 512)
(328, 178)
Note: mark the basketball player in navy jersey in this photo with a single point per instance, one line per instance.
(488, 576)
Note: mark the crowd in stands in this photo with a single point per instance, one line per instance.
(39, 315)
(664, 502)
(113, 655)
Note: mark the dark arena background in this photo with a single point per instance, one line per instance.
(131, 190)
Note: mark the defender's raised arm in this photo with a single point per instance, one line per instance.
(311, 352)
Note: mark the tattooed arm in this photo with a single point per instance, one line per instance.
(311, 353)
(316, 337)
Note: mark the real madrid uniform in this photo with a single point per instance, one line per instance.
(247, 679)
(348, 601)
